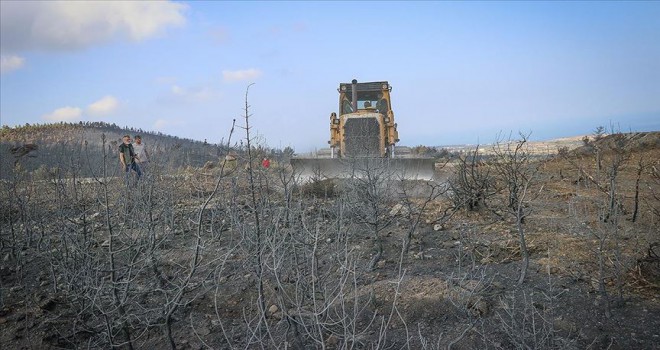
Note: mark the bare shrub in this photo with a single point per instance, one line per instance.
(516, 171)
(320, 188)
(528, 318)
(369, 199)
(526, 324)
(472, 184)
(412, 208)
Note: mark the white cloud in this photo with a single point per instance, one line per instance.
(9, 63)
(239, 75)
(64, 114)
(162, 124)
(71, 25)
(177, 90)
(103, 106)
(196, 94)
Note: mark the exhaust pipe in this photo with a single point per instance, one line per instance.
(354, 94)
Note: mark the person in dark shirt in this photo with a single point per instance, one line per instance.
(127, 157)
(381, 106)
(346, 106)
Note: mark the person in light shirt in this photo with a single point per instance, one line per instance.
(141, 153)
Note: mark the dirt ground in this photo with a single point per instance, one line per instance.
(323, 281)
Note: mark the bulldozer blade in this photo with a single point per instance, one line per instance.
(393, 168)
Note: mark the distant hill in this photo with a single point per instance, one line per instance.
(584, 144)
(80, 145)
(631, 142)
(547, 147)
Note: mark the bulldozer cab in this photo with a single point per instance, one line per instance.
(371, 97)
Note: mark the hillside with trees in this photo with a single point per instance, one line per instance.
(83, 146)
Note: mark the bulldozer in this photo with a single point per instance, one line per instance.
(363, 139)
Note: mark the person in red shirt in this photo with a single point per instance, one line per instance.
(265, 163)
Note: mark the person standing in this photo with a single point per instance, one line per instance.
(141, 154)
(265, 163)
(382, 105)
(127, 157)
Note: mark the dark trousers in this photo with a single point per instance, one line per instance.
(135, 167)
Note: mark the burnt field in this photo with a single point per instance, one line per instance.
(507, 251)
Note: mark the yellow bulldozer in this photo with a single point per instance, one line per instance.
(363, 139)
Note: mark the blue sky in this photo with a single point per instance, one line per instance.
(461, 72)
